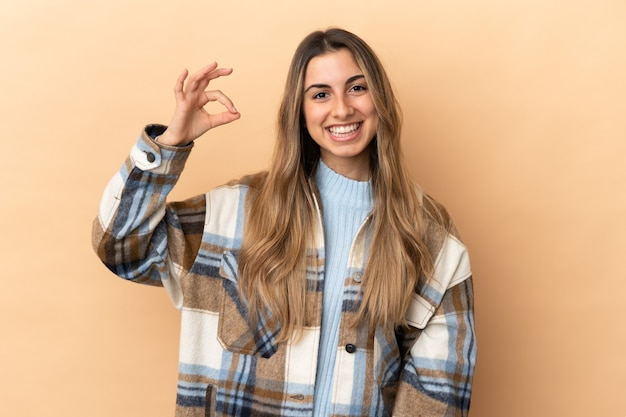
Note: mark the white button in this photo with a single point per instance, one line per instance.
(358, 277)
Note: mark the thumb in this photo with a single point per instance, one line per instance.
(224, 118)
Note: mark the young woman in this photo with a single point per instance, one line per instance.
(330, 285)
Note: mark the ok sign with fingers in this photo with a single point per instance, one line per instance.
(191, 120)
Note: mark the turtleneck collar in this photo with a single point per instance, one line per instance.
(336, 189)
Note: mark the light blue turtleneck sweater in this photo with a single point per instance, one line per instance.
(345, 205)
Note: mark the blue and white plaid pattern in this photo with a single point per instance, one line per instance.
(228, 368)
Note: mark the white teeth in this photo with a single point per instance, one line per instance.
(343, 130)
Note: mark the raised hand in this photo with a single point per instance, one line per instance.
(191, 120)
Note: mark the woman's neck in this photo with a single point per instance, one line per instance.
(353, 168)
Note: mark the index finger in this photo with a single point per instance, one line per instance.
(222, 98)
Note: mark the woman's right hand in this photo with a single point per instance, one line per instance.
(191, 120)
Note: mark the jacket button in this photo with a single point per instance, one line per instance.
(350, 348)
(150, 157)
(358, 277)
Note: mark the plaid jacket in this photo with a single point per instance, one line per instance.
(228, 368)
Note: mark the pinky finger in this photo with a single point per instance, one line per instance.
(178, 87)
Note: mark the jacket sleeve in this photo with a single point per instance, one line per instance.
(136, 234)
(438, 369)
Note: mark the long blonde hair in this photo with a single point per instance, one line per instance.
(282, 217)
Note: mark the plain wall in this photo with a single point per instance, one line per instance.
(514, 119)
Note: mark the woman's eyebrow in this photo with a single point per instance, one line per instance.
(354, 78)
(322, 86)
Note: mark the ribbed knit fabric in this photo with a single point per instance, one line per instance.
(345, 205)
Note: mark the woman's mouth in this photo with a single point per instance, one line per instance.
(344, 131)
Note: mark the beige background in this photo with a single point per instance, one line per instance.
(514, 120)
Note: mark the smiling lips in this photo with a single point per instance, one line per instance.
(344, 131)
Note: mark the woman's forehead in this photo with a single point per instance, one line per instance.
(331, 67)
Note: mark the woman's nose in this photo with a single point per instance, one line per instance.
(342, 107)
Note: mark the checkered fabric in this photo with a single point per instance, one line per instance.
(229, 368)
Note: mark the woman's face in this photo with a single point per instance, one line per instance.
(339, 112)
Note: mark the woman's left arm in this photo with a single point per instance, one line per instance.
(438, 369)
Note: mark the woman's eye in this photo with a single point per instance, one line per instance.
(320, 95)
(358, 88)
